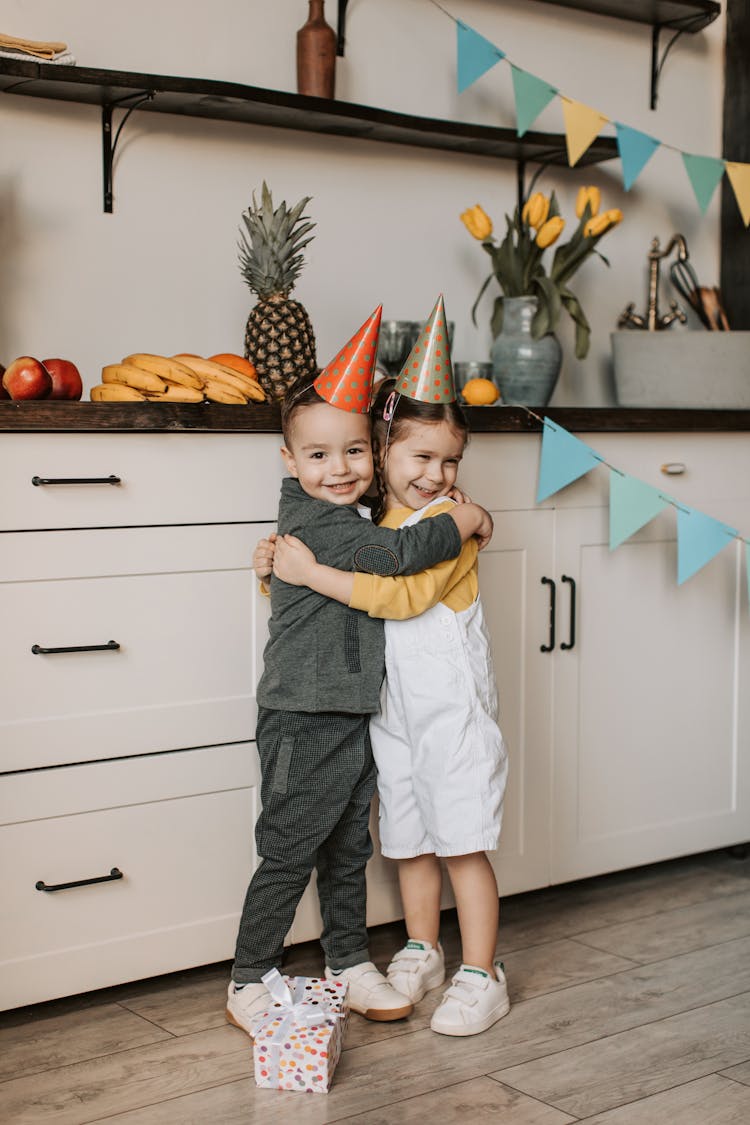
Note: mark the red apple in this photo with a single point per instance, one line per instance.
(66, 378)
(27, 378)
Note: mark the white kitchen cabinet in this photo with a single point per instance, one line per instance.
(134, 757)
(633, 744)
(630, 747)
(649, 759)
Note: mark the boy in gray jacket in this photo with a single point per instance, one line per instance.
(323, 667)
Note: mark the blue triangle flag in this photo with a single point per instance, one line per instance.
(564, 459)
(635, 150)
(632, 504)
(704, 173)
(532, 95)
(475, 55)
(699, 538)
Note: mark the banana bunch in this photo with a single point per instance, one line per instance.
(143, 377)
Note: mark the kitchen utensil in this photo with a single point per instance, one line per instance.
(685, 281)
(711, 301)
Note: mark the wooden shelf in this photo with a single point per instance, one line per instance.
(171, 418)
(253, 105)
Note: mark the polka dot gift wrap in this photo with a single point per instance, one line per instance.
(298, 1040)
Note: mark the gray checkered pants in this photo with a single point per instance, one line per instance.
(318, 778)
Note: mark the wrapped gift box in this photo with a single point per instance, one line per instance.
(297, 1041)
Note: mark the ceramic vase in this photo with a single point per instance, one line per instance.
(526, 370)
(316, 54)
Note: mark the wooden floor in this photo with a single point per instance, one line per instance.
(631, 1006)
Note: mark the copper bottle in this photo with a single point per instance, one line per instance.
(316, 54)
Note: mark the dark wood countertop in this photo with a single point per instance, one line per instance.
(100, 417)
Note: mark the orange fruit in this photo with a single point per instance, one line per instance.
(237, 363)
(480, 392)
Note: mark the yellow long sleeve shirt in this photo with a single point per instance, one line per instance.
(454, 582)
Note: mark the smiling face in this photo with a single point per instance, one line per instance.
(329, 451)
(422, 463)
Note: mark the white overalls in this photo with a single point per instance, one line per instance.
(442, 762)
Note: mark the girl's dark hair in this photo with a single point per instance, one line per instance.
(300, 394)
(405, 410)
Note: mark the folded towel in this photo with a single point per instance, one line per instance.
(39, 49)
(65, 58)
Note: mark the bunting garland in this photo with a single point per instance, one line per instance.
(477, 54)
(632, 503)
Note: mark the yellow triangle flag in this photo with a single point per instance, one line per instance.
(582, 125)
(739, 178)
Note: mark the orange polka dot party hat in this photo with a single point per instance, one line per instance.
(347, 380)
(427, 375)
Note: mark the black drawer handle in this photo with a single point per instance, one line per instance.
(115, 873)
(552, 598)
(572, 630)
(36, 481)
(110, 646)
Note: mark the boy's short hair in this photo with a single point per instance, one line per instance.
(300, 394)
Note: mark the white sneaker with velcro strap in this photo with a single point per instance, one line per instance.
(472, 1002)
(370, 994)
(417, 968)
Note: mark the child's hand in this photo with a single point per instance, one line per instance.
(483, 534)
(459, 496)
(263, 557)
(293, 561)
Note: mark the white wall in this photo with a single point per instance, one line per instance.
(160, 274)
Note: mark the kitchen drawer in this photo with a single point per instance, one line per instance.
(185, 864)
(182, 604)
(164, 479)
(709, 471)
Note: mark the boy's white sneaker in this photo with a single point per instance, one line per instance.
(472, 1002)
(416, 968)
(370, 994)
(246, 1003)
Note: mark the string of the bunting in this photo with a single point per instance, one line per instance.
(632, 503)
(475, 55)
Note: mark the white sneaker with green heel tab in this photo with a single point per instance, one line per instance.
(472, 1002)
(416, 968)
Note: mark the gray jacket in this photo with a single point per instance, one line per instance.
(321, 655)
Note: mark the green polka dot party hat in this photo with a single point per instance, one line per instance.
(347, 380)
(427, 375)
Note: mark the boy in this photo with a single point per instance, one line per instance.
(324, 664)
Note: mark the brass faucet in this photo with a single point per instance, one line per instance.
(652, 321)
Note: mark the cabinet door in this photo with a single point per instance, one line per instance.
(516, 606)
(649, 759)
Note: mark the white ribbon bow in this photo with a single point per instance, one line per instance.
(293, 1010)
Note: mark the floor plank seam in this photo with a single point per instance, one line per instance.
(730, 1077)
(165, 1101)
(532, 1097)
(153, 1023)
(671, 957)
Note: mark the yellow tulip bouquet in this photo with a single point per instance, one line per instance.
(518, 261)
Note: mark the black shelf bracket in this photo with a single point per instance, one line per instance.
(341, 28)
(689, 25)
(109, 144)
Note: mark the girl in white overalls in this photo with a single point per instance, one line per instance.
(441, 759)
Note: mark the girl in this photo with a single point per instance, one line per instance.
(439, 752)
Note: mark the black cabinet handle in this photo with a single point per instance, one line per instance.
(110, 646)
(572, 628)
(115, 873)
(552, 599)
(36, 481)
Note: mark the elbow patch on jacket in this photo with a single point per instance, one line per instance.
(373, 559)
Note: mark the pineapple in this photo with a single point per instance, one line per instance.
(279, 338)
